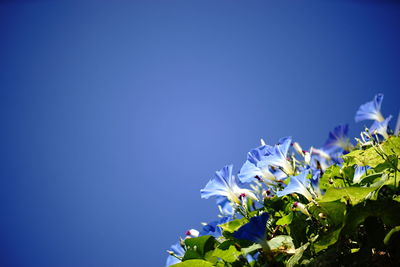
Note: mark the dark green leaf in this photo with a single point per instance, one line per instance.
(332, 216)
(196, 248)
(285, 220)
(297, 255)
(387, 238)
(387, 210)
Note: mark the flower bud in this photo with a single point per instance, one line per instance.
(301, 207)
(307, 157)
(298, 148)
(321, 153)
(262, 142)
(192, 233)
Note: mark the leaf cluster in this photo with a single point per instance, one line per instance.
(350, 224)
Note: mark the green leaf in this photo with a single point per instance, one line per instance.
(331, 178)
(368, 157)
(392, 145)
(327, 240)
(251, 249)
(332, 214)
(352, 194)
(387, 210)
(193, 263)
(391, 162)
(285, 220)
(226, 244)
(297, 255)
(232, 226)
(229, 255)
(196, 248)
(386, 240)
(274, 203)
(298, 228)
(370, 179)
(282, 243)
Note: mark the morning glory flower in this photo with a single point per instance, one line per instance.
(256, 167)
(251, 258)
(225, 184)
(397, 128)
(316, 175)
(319, 162)
(322, 153)
(298, 184)
(381, 127)
(254, 230)
(322, 158)
(225, 206)
(359, 172)
(278, 156)
(338, 138)
(213, 228)
(371, 110)
(175, 250)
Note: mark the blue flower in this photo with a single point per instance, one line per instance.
(338, 138)
(381, 127)
(256, 167)
(251, 258)
(225, 206)
(176, 250)
(322, 158)
(316, 175)
(397, 128)
(278, 156)
(371, 110)
(254, 230)
(213, 228)
(298, 184)
(225, 184)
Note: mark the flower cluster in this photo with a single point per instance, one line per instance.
(289, 206)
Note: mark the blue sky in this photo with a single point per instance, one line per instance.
(115, 114)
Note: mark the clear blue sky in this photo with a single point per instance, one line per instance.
(114, 114)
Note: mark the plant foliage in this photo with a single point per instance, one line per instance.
(335, 205)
